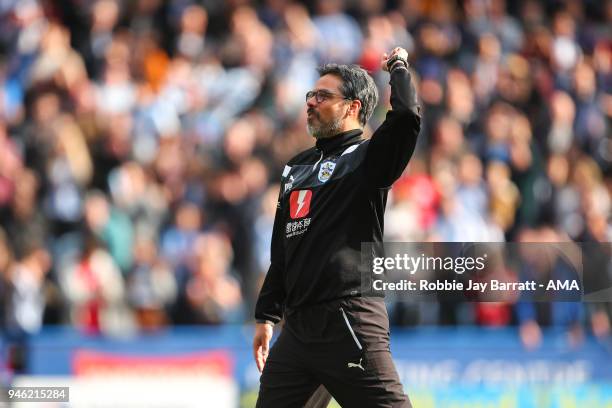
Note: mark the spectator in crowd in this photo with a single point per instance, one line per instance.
(95, 289)
(177, 240)
(212, 292)
(151, 286)
(557, 308)
(26, 289)
(112, 226)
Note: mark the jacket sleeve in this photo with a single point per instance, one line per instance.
(393, 143)
(271, 298)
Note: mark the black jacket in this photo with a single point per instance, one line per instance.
(332, 199)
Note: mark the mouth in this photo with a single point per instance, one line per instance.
(311, 113)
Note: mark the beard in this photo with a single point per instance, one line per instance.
(319, 129)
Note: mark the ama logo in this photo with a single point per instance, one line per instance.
(299, 203)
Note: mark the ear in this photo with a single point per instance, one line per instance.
(354, 108)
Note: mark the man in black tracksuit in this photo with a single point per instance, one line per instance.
(332, 200)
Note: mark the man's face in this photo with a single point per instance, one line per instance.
(326, 118)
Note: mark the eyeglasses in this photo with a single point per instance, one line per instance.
(322, 95)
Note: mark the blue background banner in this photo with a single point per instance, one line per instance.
(439, 367)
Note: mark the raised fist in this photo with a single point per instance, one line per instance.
(397, 52)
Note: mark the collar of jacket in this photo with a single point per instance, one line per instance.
(344, 139)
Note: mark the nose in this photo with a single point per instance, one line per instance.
(311, 102)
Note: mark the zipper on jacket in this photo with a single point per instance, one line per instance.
(348, 324)
(318, 161)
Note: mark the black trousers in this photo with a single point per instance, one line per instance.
(342, 345)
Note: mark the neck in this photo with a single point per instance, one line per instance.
(346, 138)
(350, 124)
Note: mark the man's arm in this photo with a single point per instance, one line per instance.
(269, 307)
(393, 143)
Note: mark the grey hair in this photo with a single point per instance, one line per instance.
(357, 84)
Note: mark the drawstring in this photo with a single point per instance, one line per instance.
(315, 165)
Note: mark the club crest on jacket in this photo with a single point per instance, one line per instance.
(326, 170)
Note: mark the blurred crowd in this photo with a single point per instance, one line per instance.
(142, 141)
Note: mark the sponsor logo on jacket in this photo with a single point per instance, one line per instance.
(299, 203)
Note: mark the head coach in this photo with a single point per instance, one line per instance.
(332, 199)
